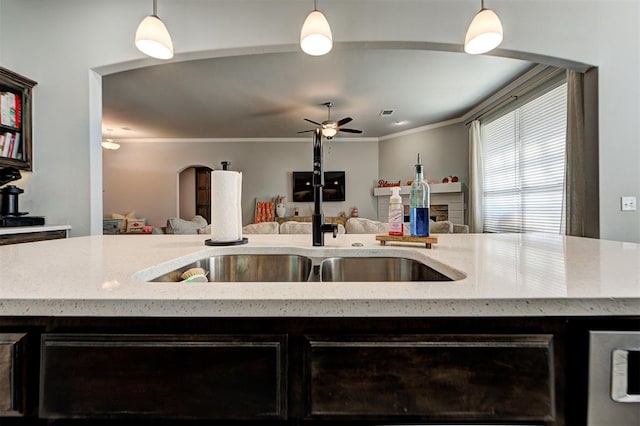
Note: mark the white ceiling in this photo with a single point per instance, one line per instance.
(269, 95)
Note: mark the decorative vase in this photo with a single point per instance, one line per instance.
(281, 209)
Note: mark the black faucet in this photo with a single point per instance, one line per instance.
(317, 218)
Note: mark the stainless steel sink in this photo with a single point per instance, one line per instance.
(287, 267)
(377, 269)
(248, 268)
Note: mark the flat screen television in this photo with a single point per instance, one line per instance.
(334, 186)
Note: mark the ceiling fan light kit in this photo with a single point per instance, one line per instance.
(329, 127)
(152, 37)
(484, 33)
(315, 37)
(329, 130)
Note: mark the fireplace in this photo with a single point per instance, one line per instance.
(436, 212)
(439, 212)
(447, 202)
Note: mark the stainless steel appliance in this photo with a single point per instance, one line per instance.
(614, 378)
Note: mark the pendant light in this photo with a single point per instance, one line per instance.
(315, 37)
(484, 33)
(152, 37)
(110, 144)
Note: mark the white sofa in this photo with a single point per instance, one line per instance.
(354, 225)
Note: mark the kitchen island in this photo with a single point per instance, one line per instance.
(505, 341)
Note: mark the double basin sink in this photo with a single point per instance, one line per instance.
(300, 268)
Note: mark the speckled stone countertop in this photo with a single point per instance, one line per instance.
(496, 275)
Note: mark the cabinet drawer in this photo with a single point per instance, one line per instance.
(163, 376)
(30, 237)
(12, 374)
(459, 377)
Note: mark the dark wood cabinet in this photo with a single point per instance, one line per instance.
(12, 374)
(163, 376)
(30, 237)
(15, 120)
(296, 371)
(431, 377)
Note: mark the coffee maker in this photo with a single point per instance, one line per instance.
(10, 215)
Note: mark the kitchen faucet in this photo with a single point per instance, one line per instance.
(317, 218)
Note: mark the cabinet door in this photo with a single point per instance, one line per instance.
(431, 377)
(163, 376)
(12, 374)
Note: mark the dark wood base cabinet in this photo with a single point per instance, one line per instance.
(454, 377)
(296, 371)
(30, 237)
(164, 376)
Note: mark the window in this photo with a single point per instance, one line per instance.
(524, 158)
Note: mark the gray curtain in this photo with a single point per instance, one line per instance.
(575, 173)
(476, 178)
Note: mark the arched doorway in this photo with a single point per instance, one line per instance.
(194, 192)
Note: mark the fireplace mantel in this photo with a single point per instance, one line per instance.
(435, 188)
(450, 195)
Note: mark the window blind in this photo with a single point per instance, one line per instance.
(524, 159)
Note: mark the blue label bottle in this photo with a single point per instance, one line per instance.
(420, 203)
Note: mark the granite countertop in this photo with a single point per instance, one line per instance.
(496, 275)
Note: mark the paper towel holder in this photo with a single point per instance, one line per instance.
(208, 242)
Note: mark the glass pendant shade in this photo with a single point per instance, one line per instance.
(329, 132)
(110, 144)
(153, 39)
(315, 37)
(484, 33)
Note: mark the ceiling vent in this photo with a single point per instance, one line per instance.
(386, 112)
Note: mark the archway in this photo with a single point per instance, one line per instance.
(194, 192)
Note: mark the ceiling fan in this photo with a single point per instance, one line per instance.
(331, 127)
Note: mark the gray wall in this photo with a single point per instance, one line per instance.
(186, 193)
(444, 152)
(66, 44)
(144, 176)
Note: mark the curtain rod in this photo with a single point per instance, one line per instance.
(521, 91)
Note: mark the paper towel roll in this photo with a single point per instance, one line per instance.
(226, 208)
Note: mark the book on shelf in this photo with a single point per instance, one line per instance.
(12, 141)
(9, 103)
(4, 110)
(8, 145)
(16, 153)
(18, 106)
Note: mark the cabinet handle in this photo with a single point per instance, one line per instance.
(620, 376)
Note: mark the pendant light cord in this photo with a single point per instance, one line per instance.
(155, 7)
(315, 4)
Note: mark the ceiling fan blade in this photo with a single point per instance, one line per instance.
(307, 131)
(311, 121)
(344, 121)
(350, 130)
